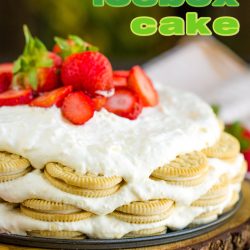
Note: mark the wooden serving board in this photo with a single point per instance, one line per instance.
(233, 235)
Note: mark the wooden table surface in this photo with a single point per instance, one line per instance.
(235, 234)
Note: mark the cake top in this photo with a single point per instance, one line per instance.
(109, 144)
(126, 125)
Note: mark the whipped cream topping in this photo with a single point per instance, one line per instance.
(110, 145)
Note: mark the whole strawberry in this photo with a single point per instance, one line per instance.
(88, 71)
(37, 68)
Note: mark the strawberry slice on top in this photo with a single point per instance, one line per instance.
(99, 102)
(54, 97)
(120, 78)
(124, 103)
(121, 73)
(140, 83)
(6, 76)
(78, 108)
(15, 97)
(37, 68)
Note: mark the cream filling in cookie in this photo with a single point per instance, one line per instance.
(60, 211)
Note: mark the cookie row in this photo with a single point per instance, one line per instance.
(188, 170)
(139, 212)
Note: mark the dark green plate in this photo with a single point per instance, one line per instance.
(169, 237)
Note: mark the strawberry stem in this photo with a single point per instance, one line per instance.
(35, 56)
(237, 130)
(72, 45)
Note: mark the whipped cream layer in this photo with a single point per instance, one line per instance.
(104, 225)
(108, 144)
(133, 191)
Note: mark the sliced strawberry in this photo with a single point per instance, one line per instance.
(120, 78)
(99, 102)
(124, 103)
(15, 97)
(6, 76)
(120, 81)
(54, 97)
(121, 73)
(78, 108)
(139, 82)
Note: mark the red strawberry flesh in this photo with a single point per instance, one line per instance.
(54, 97)
(120, 78)
(124, 103)
(247, 157)
(99, 102)
(88, 71)
(139, 82)
(246, 133)
(78, 108)
(6, 76)
(48, 77)
(15, 97)
(121, 73)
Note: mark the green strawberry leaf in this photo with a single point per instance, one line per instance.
(77, 40)
(34, 57)
(72, 45)
(216, 109)
(33, 79)
(62, 43)
(237, 130)
(17, 66)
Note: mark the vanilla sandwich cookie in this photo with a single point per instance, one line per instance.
(216, 195)
(227, 147)
(187, 170)
(53, 211)
(57, 234)
(142, 212)
(234, 199)
(88, 185)
(206, 217)
(12, 166)
(147, 232)
(151, 207)
(238, 179)
(90, 193)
